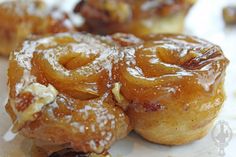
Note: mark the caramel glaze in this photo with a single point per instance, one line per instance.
(128, 16)
(154, 72)
(171, 66)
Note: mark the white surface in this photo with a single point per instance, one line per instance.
(205, 21)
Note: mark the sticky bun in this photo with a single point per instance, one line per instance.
(19, 19)
(139, 17)
(59, 93)
(84, 92)
(175, 87)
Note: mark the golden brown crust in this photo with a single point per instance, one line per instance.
(137, 17)
(19, 20)
(171, 86)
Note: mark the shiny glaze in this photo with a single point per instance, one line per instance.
(153, 72)
(168, 68)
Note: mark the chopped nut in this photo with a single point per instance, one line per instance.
(42, 96)
(25, 99)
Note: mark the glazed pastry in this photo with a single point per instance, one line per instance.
(59, 93)
(20, 19)
(139, 17)
(174, 84)
(81, 91)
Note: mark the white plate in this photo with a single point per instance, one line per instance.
(205, 21)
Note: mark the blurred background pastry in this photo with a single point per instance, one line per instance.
(138, 17)
(21, 19)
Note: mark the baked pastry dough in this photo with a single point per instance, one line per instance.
(81, 91)
(139, 17)
(20, 19)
